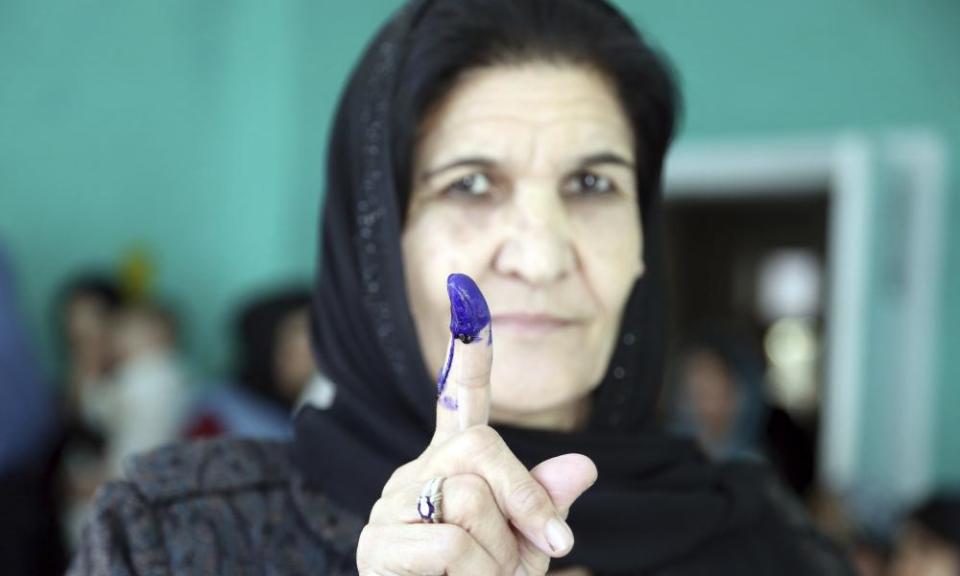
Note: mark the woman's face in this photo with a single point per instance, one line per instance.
(524, 179)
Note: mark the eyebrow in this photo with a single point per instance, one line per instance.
(470, 161)
(480, 161)
(605, 158)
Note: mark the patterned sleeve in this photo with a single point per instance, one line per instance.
(122, 538)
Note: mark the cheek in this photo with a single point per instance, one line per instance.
(609, 245)
(437, 242)
(442, 240)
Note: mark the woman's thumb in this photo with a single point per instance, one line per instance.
(565, 478)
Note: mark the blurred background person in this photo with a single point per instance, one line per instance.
(125, 388)
(719, 396)
(141, 404)
(83, 319)
(274, 369)
(29, 424)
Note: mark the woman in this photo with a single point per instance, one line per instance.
(520, 142)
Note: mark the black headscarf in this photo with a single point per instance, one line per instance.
(657, 502)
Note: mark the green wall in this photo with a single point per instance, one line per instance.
(198, 129)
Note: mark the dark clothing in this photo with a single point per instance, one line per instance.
(30, 531)
(222, 506)
(228, 506)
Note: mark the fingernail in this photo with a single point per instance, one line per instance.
(520, 571)
(559, 535)
(468, 308)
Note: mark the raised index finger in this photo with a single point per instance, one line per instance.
(463, 389)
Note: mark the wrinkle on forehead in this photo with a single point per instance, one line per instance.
(527, 111)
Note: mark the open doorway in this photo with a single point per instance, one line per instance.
(747, 306)
(742, 210)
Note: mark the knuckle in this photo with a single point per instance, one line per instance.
(481, 440)
(478, 379)
(468, 499)
(526, 498)
(378, 512)
(471, 481)
(398, 476)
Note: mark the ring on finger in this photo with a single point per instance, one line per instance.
(428, 504)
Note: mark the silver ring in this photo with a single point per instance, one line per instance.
(428, 505)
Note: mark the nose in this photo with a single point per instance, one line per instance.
(537, 247)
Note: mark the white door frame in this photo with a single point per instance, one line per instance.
(845, 166)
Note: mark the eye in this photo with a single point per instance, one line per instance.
(588, 184)
(473, 185)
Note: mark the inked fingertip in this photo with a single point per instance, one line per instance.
(469, 313)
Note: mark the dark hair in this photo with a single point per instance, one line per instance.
(100, 287)
(450, 37)
(940, 514)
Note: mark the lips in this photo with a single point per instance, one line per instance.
(532, 324)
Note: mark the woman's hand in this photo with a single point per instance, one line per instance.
(497, 517)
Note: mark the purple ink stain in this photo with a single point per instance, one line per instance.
(468, 308)
(469, 315)
(449, 402)
(445, 371)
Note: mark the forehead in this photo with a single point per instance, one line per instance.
(493, 106)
